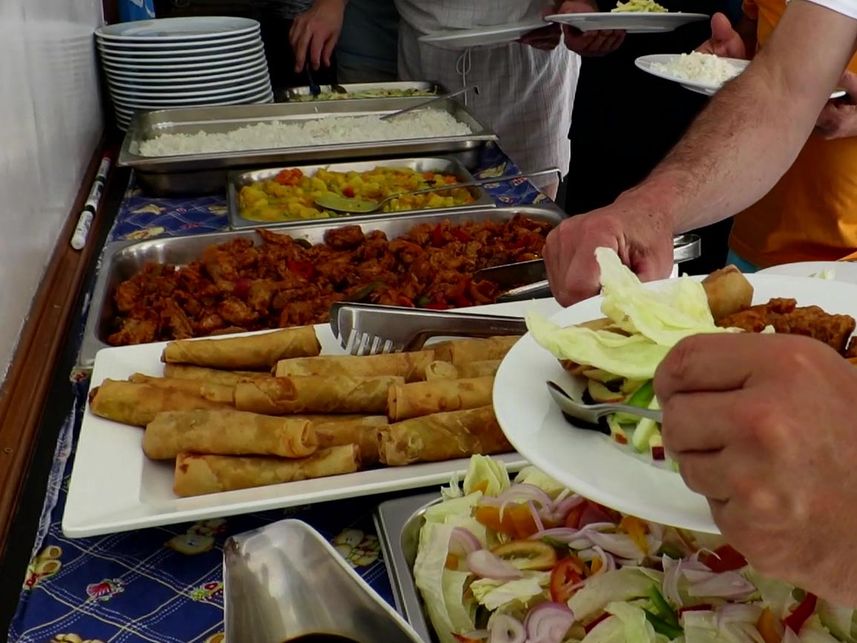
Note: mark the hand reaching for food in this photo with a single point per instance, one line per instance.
(724, 40)
(315, 32)
(763, 427)
(838, 119)
(592, 43)
(642, 237)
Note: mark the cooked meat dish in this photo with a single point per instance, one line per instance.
(284, 281)
(786, 317)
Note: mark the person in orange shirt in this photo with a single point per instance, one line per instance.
(811, 213)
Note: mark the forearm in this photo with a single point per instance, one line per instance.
(754, 128)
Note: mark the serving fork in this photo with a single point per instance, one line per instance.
(368, 329)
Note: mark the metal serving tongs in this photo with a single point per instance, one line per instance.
(369, 329)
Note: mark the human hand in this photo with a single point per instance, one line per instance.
(838, 119)
(314, 33)
(724, 41)
(641, 237)
(763, 426)
(546, 38)
(589, 43)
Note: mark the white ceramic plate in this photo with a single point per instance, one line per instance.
(647, 64)
(591, 463)
(135, 55)
(483, 36)
(166, 57)
(136, 94)
(264, 95)
(177, 29)
(842, 270)
(184, 84)
(154, 45)
(170, 75)
(184, 66)
(114, 487)
(631, 22)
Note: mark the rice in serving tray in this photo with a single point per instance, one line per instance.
(427, 123)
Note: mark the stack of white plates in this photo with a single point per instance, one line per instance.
(183, 62)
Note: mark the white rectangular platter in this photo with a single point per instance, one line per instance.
(114, 487)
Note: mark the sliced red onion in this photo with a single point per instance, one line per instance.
(487, 565)
(506, 629)
(462, 542)
(518, 493)
(559, 511)
(672, 575)
(548, 623)
(654, 543)
(594, 514)
(731, 585)
(621, 545)
(537, 519)
(560, 534)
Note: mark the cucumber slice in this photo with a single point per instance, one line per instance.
(646, 430)
(641, 398)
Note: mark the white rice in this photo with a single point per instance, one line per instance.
(700, 68)
(427, 123)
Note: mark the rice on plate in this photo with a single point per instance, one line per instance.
(699, 68)
(428, 123)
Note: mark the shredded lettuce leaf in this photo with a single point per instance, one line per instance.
(486, 475)
(462, 506)
(443, 590)
(654, 320)
(494, 594)
(625, 584)
(627, 625)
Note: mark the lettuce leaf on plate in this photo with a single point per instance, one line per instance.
(486, 475)
(625, 584)
(627, 625)
(494, 594)
(650, 322)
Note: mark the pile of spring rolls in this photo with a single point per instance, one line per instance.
(243, 412)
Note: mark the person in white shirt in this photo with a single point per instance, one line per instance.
(526, 91)
(762, 425)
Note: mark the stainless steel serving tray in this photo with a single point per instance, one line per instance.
(206, 173)
(123, 259)
(296, 93)
(237, 180)
(398, 523)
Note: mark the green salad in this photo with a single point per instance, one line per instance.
(532, 562)
(618, 355)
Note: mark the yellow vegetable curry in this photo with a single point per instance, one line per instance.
(291, 193)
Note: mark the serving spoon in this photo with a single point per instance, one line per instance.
(436, 99)
(354, 205)
(591, 413)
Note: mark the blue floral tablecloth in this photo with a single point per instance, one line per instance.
(145, 217)
(166, 583)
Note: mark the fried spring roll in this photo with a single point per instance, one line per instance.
(411, 366)
(227, 433)
(440, 370)
(442, 436)
(463, 351)
(211, 375)
(213, 392)
(256, 352)
(362, 431)
(196, 475)
(312, 394)
(424, 398)
(137, 404)
(728, 292)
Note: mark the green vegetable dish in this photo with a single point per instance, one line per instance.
(532, 562)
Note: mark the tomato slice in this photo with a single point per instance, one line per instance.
(724, 559)
(801, 613)
(527, 554)
(565, 575)
(517, 520)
